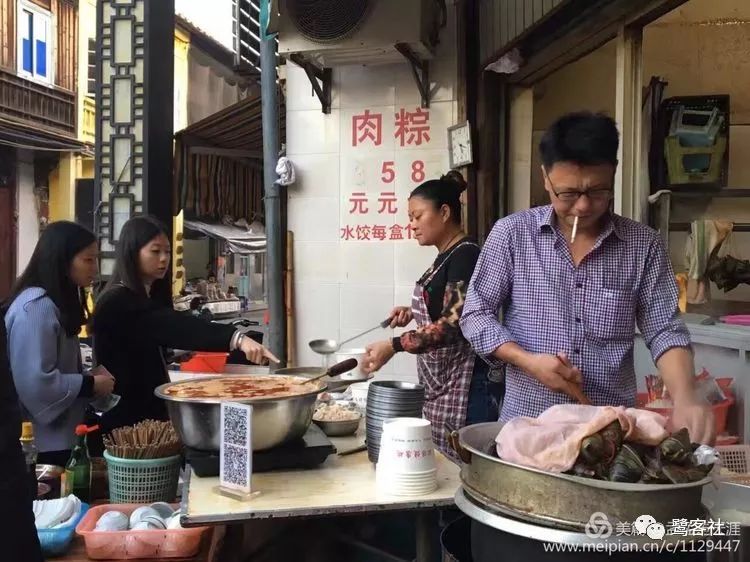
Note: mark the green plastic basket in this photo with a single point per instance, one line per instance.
(142, 480)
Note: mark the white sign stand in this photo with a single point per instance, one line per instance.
(236, 451)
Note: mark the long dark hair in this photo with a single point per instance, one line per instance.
(49, 269)
(445, 191)
(135, 234)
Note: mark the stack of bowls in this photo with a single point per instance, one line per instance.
(386, 400)
(406, 465)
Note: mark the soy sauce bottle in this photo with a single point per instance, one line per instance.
(78, 467)
(30, 454)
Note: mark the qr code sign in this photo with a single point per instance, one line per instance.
(235, 426)
(236, 446)
(234, 460)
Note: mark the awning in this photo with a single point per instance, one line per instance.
(37, 138)
(236, 131)
(565, 33)
(219, 163)
(239, 240)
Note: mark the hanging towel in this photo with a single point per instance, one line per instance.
(552, 440)
(705, 237)
(285, 171)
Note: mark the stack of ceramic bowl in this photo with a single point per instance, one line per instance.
(406, 464)
(386, 400)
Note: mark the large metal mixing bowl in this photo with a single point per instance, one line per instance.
(275, 420)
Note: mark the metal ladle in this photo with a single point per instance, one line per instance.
(337, 369)
(327, 347)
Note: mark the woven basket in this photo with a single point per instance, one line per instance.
(143, 480)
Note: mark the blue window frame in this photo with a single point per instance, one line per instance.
(34, 42)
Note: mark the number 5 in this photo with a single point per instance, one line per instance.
(388, 171)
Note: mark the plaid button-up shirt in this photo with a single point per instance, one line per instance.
(589, 312)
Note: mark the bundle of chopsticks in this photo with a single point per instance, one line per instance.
(148, 439)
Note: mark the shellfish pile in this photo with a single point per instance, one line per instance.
(605, 456)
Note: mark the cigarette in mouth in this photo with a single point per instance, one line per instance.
(575, 228)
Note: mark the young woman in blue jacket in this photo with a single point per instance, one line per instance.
(43, 316)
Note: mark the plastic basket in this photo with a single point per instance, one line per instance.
(206, 362)
(142, 480)
(55, 542)
(720, 410)
(735, 458)
(129, 545)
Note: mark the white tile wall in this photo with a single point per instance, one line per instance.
(364, 306)
(314, 219)
(312, 132)
(368, 85)
(367, 263)
(318, 262)
(344, 287)
(317, 175)
(317, 317)
(299, 92)
(443, 72)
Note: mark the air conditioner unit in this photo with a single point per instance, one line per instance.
(338, 32)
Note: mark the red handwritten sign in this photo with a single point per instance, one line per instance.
(376, 232)
(387, 202)
(358, 203)
(367, 127)
(347, 233)
(412, 127)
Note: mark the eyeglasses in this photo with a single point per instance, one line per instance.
(571, 195)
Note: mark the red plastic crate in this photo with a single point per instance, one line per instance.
(130, 545)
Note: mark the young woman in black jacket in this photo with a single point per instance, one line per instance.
(132, 326)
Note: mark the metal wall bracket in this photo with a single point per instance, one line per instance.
(320, 79)
(421, 70)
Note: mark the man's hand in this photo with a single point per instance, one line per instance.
(676, 368)
(377, 354)
(400, 316)
(555, 372)
(697, 418)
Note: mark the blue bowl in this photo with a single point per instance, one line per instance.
(56, 542)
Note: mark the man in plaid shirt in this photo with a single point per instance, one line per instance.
(570, 307)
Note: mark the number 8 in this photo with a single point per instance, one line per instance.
(417, 171)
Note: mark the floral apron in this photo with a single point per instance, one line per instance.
(445, 373)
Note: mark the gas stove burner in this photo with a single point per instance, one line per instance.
(311, 450)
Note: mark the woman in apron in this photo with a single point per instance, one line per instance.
(458, 390)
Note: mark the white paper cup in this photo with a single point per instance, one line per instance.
(396, 484)
(359, 394)
(406, 446)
